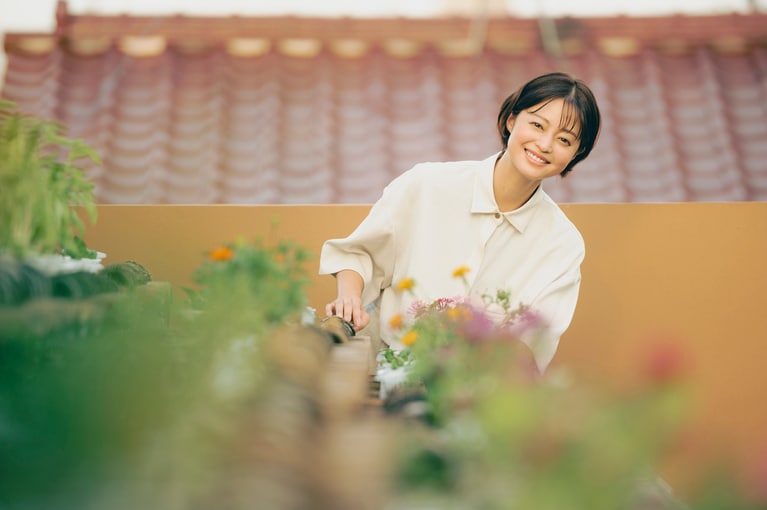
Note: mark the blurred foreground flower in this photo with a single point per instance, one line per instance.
(223, 253)
(268, 281)
(409, 338)
(405, 284)
(460, 271)
(496, 434)
(665, 363)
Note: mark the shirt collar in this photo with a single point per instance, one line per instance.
(483, 201)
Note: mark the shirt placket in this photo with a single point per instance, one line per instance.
(490, 222)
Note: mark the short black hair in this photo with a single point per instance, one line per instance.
(579, 100)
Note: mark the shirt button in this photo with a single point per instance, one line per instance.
(497, 215)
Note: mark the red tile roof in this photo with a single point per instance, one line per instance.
(293, 110)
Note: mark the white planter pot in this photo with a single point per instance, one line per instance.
(62, 264)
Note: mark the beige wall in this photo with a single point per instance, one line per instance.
(692, 273)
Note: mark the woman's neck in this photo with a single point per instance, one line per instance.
(510, 188)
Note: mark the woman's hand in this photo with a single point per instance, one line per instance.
(350, 309)
(348, 304)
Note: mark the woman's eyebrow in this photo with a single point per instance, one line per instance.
(535, 114)
(562, 128)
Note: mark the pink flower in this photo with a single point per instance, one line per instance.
(416, 308)
(664, 363)
(477, 326)
(756, 478)
(442, 303)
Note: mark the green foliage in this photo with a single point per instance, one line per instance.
(40, 187)
(136, 388)
(78, 400)
(146, 402)
(268, 281)
(397, 359)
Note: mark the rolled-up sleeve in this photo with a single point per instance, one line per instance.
(369, 249)
(556, 305)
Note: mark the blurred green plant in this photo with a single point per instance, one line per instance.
(41, 187)
(78, 401)
(214, 402)
(147, 401)
(267, 280)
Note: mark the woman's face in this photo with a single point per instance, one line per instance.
(539, 146)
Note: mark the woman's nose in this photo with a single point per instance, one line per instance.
(545, 143)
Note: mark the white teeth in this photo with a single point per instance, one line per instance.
(536, 158)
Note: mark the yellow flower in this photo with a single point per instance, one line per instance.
(409, 338)
(221, 254)
(460, 271)
(396, 321)
(459, 313)
(405, 284)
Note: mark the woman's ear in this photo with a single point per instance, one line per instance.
(510, 122)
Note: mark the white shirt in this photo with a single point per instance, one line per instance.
(438, 216)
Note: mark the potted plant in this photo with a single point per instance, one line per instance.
(41, 188)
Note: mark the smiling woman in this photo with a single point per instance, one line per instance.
(492, 215)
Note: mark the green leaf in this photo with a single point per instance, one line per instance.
(39, 185)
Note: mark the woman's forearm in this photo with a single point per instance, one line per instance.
(348, 302)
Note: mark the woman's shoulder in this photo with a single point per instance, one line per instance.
(559, 223)
(430, 168)
(431, 177)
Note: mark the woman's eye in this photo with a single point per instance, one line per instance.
(565, 141)
(537, 125)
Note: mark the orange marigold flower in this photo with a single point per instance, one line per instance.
(460, 271)
(405, 284)
(396, 321)
(221, 254)
(409, 338)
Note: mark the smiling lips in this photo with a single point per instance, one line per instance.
(536, 158)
